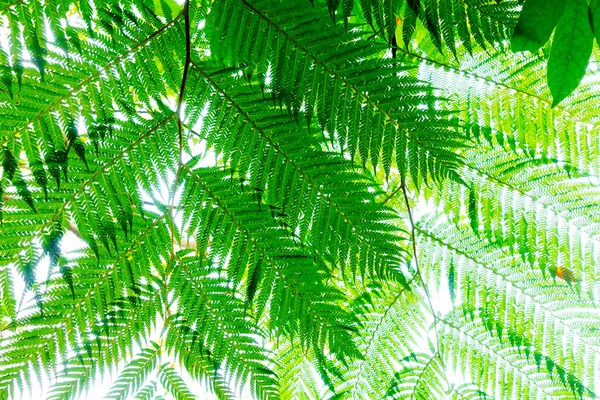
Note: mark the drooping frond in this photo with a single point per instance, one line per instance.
(516, 304)
(527, 229)
(391, 318)
(213, 326)
(300, 378)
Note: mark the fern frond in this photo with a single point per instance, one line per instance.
(72, 322)
(391, 317)
(326, 203)
(299, 379)
(449, 23)
(176, 386)
(480, 353)
(371, 115)
(413, 378)
(135, 373)
(512, 301)
(281, 273)
(217, 198)
(228, 339)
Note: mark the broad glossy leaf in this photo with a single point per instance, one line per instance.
(571, 50)
(536, 23)
(594, 14)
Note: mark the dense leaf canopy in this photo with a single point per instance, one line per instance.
(299, 199)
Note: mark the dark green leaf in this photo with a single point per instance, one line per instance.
(536, 23)
(52, 162)
(347, 6)
(24, 192)
(332, 5)
(75, 142)
(6, 72)
(571, 50)
(9, 164)
(410, 21)
(452, 282)
(38, 52)
(51, 242)
(39, 174)
(473, 211)
(253, 281)
(432, 21)
(594, 15)
(67, 273)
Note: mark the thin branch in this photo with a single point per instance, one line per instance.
(412, 224)
(418, 273)
(173, 259)
(389, 197)
(186, 66)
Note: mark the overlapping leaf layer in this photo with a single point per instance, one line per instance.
(292, 199)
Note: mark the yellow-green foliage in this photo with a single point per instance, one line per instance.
(259, 198)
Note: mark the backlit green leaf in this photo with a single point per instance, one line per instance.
(571, 50)
(594, 14)
(536, 23)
